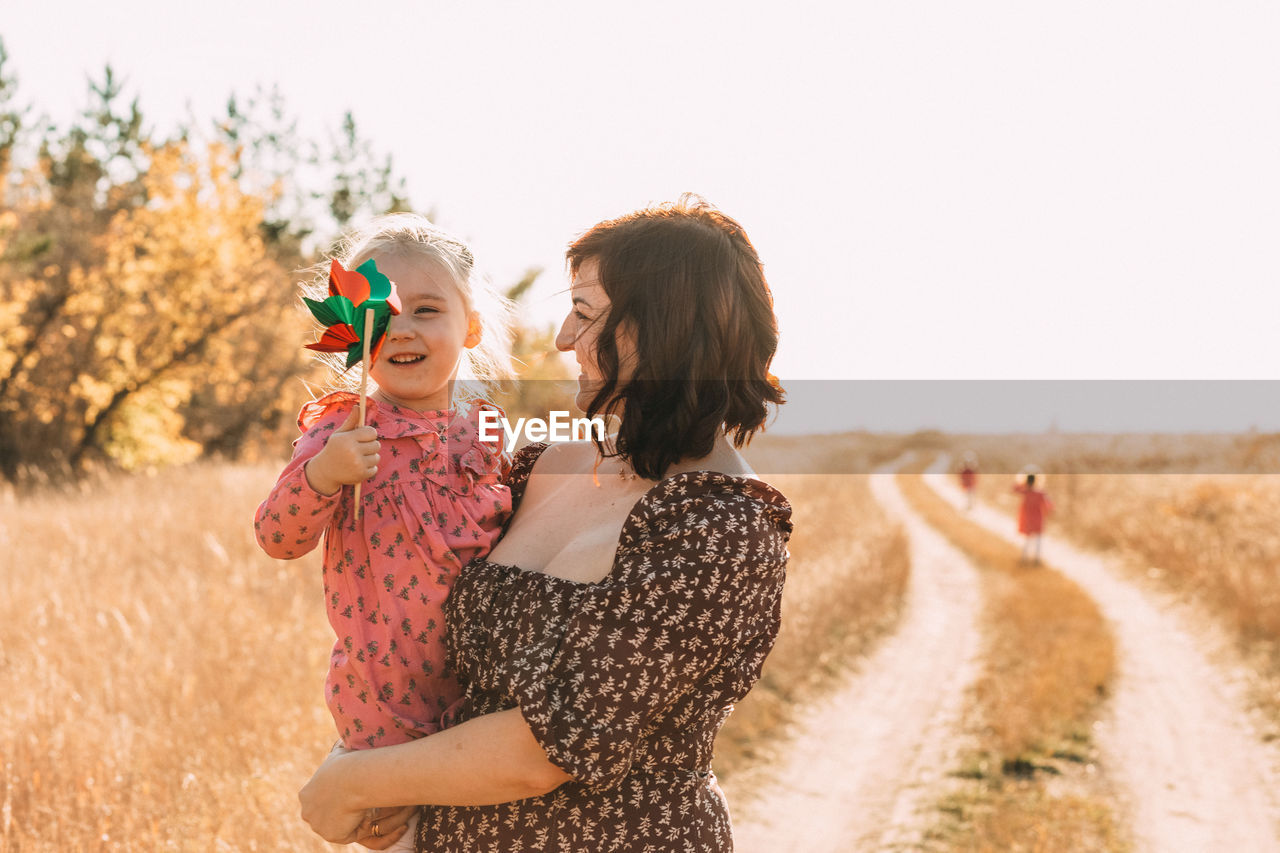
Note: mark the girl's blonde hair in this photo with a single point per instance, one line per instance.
(411, 236)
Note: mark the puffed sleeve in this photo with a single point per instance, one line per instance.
(697, 589)
(290, 522)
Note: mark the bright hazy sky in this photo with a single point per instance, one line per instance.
(938, 189)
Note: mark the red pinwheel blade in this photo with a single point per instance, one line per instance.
(346, 283)
(337, 338)
(375, 349)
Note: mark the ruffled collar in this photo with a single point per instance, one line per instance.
(390, 420)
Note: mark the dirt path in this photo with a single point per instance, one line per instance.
(866, 761)
(1177, 736)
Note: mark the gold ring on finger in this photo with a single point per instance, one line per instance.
(377, 830)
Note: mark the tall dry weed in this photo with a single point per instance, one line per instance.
(1212, 538)
(1215, 538)
(162, 677)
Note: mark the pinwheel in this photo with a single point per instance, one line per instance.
(352, 295)
(356, 315)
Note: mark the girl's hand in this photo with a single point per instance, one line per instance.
(350, 456)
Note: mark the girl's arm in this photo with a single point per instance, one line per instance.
(487, 760)
(290, 522)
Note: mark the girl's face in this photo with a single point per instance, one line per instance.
(580, 332)
(425, 340)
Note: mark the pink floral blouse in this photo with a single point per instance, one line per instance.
(435, 503)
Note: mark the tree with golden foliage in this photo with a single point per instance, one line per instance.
(143, 316)
(166, 299)
(148, 303)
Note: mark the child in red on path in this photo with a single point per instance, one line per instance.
(969, 478)
(1031, 514)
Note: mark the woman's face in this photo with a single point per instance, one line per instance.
(581, 330)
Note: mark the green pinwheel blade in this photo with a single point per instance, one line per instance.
(320, 311)
(380, 290)
(333, 310)
(379, 284)
(381, 322)
(341, 306)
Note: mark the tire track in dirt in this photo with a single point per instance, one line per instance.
(866, 763)
(1176, 735)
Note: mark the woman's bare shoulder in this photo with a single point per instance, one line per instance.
(565, 457)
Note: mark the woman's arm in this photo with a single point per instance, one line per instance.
(486, 760)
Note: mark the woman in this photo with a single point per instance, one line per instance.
(636, 591)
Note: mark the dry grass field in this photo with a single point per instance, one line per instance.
(1048, 658)
(1211, 538)
(162, 677)
(1216, 538)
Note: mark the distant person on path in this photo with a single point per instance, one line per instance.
(1031, 515)
(969, 477)
(432, 497)
(637, 588)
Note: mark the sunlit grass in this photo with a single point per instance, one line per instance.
(1215, 538)
(163, 678)
(1047, 660)
(1212, 540)
(1012, 815)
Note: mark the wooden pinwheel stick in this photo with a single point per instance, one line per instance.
(364, 381)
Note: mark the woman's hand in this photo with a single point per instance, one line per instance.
(383, 827)
(327, 810)
(326, 804)
(493, 758)
(350, 456)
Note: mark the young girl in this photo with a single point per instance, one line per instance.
(1031, 513)
(431, 495)
(969, 477)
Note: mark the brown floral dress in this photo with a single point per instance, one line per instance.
(624, 682)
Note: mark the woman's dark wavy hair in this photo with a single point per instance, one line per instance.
(686, 280)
